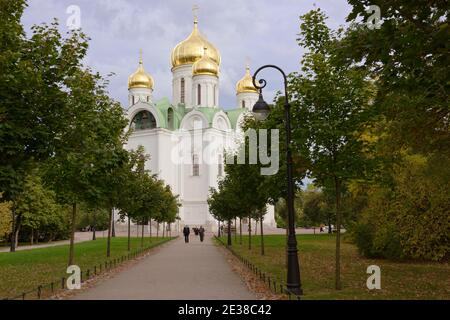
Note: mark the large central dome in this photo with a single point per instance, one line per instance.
(191, 50)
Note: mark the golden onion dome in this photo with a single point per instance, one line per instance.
(205, 66)
(246, 83)
(190, 50)
(140, 79)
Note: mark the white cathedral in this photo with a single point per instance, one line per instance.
(186, 138)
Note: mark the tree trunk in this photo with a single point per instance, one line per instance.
(235, 230)
(150, 229)
(229, 233)
(18, 227)
(113, 225)
(32, 236)
(240, 231)
(157, 230)
(218, 226)
(13, 229)
(256, 227)
(94, 237)
(164, 229)
(338, 233)
(249, 233)
(329, 225)
(129, 233)
(72, 235)
(142, 234)
(37, 237)
(262, 235)
(108, 245)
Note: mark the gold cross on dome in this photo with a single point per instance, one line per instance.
(195, 9)
(247, 62)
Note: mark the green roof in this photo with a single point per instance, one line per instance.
(209, 113)
(233, 115)
(163, 106)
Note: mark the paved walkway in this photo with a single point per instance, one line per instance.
(194, 271)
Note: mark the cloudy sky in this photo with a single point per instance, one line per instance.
(260, 32)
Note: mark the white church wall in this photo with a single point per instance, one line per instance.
(247, 100)
(209, 90)
(139, 95)
(178, 73)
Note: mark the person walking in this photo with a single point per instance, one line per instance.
(201, 232)
(186, 232)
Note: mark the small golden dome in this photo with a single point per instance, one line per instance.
(190, 50)
(246, 83)
(140, 79)
(205, 66)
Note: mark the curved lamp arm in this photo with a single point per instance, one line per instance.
(263, 82)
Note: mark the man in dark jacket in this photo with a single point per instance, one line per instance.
(201, 232)
(186, 232)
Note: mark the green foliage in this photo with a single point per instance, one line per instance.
(5, 219)
(144, 196)
(281, 211)
(38, 211)
(409, 57)
(313, 209)
(35, 87)
(411, 219)
(92, 217)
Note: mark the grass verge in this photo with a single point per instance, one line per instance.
(399, 280)
(24, 271)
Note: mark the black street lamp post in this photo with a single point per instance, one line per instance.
(261, 111)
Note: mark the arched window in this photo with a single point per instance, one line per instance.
(170, 119)
(199, 95)
(220, 166)
(132, 100)
(195, 166)
(243, 104)
(182, 90)
(143, 120)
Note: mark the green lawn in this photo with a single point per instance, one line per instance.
(24, 271)
(399, 280)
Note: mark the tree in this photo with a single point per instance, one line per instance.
(34, 102)
(89, 148)
(221, 205)
(313, 208)
(330, 104)
(36, 208)
(5, 219)
(409, 219)
(243, 192)
(408, 55)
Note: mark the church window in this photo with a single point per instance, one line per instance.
(182, 90)
(132, 100)
(170, 119)
(199, 95)
(143, 120)
(243, 104)
(195, 166)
